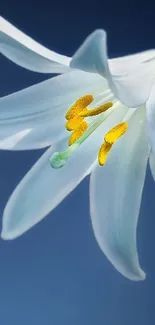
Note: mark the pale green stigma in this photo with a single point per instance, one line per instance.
(57, 160)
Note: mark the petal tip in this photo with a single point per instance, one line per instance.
(140, 275)
(5, 235)
(91, 55)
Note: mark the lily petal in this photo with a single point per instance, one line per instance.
(37, 138)
(129, 78)
(29, 54)
(13, 140)
(150, 111)
(126, 63)
(42, 107)
(115, 197)
(152, 164)
(48, 186)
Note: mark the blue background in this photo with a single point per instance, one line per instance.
(56, 273)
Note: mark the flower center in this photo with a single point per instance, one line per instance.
(80, 129)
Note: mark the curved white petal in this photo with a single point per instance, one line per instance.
(152, 164)
(129, 78)
(43, 188)
(124, 63)
(115, 197)
(37, 138)
(27, 53)
(150, 111)
(42, 107)
(13, 140)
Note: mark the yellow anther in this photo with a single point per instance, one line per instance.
(87, 112)
(110, 138)
(116, 132)
(103, 153)
(78, 132)
(74, 123)
(78, 106)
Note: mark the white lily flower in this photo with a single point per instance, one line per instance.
(124, 97)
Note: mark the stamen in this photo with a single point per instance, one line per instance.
(78, 106)
(58, 159)
(110, 138)
(78, 133)
(96, 111)
(116, 132)
(74, 123)
(103, 153)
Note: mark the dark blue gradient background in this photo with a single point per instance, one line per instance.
(56, 274)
